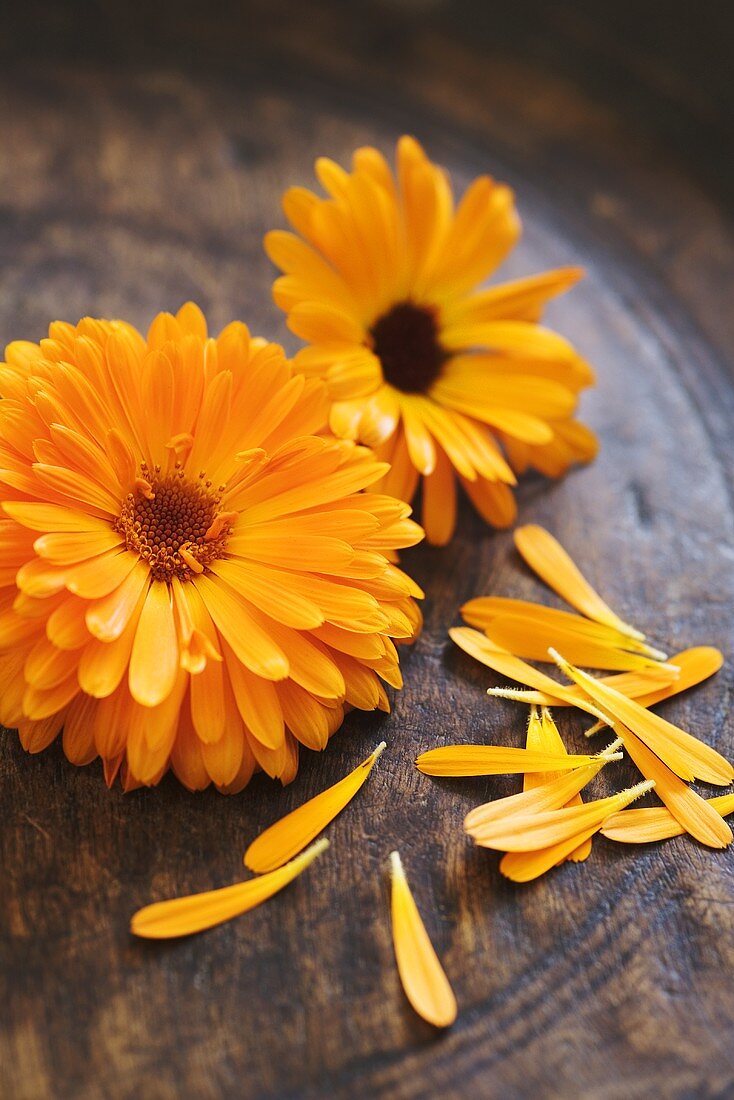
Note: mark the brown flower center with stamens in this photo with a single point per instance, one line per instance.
(405, 340)
(174, 524)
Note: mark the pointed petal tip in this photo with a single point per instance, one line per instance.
(555, 656)
(615, 747)
(639, 789)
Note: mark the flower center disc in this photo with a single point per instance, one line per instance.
(166, 521)
(405, 340)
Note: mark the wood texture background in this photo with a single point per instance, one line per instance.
(142, 154)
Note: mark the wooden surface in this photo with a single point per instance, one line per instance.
(142, 157)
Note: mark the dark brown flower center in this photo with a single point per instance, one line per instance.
(174, 524)
(405, 340)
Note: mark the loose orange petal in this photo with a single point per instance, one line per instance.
(695, 665)
(526, 866)
(297, 829)
(684, 754)
(551, 795)
(424, 981)
(545, 555)
(455, 760)
(543, 734)
(532, 832)
(655, 822)
(528, 630)
(694, 813)
(506, 664)
(182, 916)
(639, 685)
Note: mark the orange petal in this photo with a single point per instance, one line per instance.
(297, 829)
(545, 555)
(684, 754)
(154, 659)
(424, 981)
(527, 630)
(635, 685)
(528, 832)
(506, 664)
(453, 760)
(696, 815)
(655, 822)
(543, 734)
(183, 916)
(694, 665)
(552, 795)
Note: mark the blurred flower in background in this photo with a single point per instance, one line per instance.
(441, 379)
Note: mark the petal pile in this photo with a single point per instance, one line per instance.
(512, 632)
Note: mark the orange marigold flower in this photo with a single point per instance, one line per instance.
(189, 576)
(442, 379)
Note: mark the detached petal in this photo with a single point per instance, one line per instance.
(506, 664)
(424, 981)
(695, 665)
(696, 815)
(655, 822)
(526, 866)
(453, 760)
(543, 734)
(528, 629)
(545, 555)
(684, 754)
(297, 829)
(532, 832)
(551, 795)
(182, 916)
(640, 684)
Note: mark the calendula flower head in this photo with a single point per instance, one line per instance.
(189, 576)
(444, 380)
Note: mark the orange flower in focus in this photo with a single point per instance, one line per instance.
(190, 577)
(444, 380)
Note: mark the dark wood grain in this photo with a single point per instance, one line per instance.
(142, 156)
